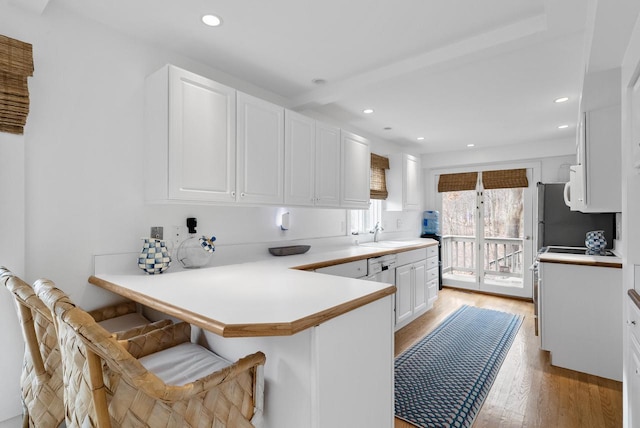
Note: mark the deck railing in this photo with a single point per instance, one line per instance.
(503, 257)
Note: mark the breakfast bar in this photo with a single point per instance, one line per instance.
(328, 339)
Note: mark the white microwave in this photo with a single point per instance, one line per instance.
(574, 190)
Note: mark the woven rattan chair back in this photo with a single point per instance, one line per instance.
(110, 387)
(41, 378)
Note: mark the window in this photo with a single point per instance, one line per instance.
(16, 64)
(363, 221)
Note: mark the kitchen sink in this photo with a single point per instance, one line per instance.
(388, 244)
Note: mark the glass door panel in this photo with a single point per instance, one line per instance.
(458, 222)
(486, 242)
(503, 237)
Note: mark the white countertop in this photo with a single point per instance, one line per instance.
(267, 297)
(581, 259)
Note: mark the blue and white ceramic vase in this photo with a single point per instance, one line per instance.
(154, 257)
(595, 242)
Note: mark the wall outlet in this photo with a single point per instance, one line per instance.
(176, 237)
(399, 224)
(157, 232)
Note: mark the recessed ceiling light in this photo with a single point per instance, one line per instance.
(367, 111)
(471, 145)
(563, 126)
(211, 20)
(561, 100)
(420, 138)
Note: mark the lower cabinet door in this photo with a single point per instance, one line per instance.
(421, 295)
(404, 307)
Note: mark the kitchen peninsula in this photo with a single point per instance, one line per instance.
(328, 339)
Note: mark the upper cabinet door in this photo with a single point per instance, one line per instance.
(190, 150)
(356, 171)
(299, 155)
(411, 180)
(260, 132)
(327, 156)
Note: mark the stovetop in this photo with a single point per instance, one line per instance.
(578, 251)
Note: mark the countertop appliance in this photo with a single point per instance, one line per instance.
(559, 226)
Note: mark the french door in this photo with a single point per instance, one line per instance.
(486, 238)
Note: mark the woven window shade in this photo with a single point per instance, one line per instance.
(378, 177)
(505, 179)
(456, 182)
(16, 64)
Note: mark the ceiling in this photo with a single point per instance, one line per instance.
(455, 72)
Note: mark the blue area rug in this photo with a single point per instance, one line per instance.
(442, 381)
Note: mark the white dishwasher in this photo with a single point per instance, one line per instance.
(382, 269)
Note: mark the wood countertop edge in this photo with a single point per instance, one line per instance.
(333, 262)
(635, 297)
(167, 308)
(244, 330)
(288, 329)
(615, 265)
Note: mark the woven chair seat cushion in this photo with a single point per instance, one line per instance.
(183, 363)
(124, 322)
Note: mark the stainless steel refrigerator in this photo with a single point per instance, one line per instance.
(558, 225)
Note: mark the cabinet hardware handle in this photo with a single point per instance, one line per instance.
(233, 194)
(632, 322)
(242, 195)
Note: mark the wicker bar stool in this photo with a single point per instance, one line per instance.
(158, 379)
(42, 378)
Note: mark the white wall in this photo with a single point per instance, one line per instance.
(12, 219)
(82, 152)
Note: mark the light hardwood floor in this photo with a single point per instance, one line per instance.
(528, 391)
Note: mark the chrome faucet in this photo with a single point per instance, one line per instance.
(375, 231)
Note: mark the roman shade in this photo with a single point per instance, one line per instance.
(505, 179)
(16, 64)
(457, 182)
(498, 179)
(378, 183)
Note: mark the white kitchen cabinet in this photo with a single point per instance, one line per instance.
(312, 162)
(327, 165)
(580, 317)
(633, 363)
(190, 145)
(355, 171)
(355, 269)
(403, 183)
(635, 123)
(433, 275)
(299, 164)
(412, 294)
(260, 145)
(595, 183)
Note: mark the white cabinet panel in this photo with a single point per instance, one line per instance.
(420, 294)
(404, 285)
(595, 181)
(260, 140)
(403, 183)
(312, 162)
(190, 150)
(327, 186)
(356, 269)
(635, 124)
(413, 295)
(355, 169)
(300, 171)
(581, 315)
